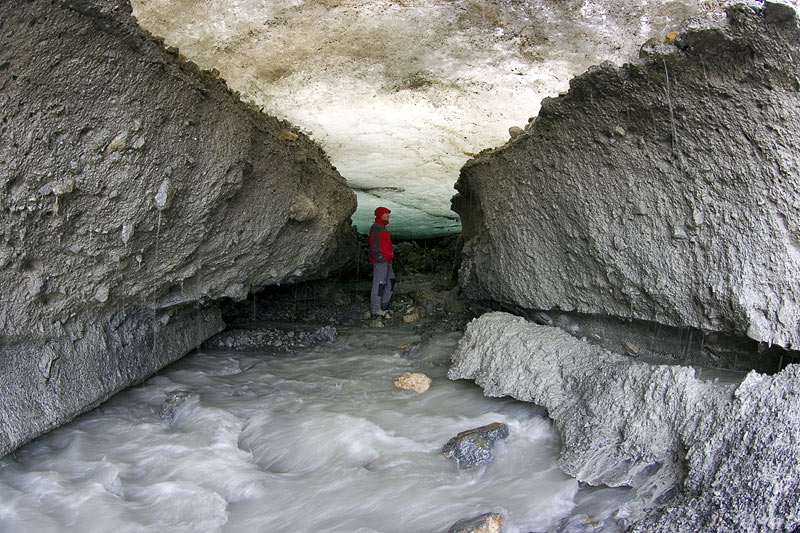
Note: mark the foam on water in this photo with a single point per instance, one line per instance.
(314, 441)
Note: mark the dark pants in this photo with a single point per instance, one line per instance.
(382, 286)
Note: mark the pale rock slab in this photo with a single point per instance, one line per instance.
(413, 381)
(705, 455)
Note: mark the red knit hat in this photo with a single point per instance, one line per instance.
(380, 211)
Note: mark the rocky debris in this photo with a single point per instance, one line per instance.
(174, 400)
(485, 523)
(664, 190)
(704, 455)
(429, 299)
(432, 302)
(582, 523)
(269, 339)
(137, 191)
(412, 315)
(432, 257)
(440, 310)
(338, 301)
(341, 298)
(413, 381)
(474, 447)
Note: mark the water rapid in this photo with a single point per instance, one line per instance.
(317, 440)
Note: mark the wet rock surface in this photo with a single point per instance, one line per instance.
(173, 402)
(474, 447)
(485, 523)
(664, 190)
(286, 339)
(137, 191)
(413, 381)
(704, 452)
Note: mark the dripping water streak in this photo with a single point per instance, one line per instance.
(253, 292)
(671, 110)
(705, 75)
(155, 265)
(122, 279)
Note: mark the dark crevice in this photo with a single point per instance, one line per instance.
(659, 343)
(425, 288)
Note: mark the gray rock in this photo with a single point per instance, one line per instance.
(689, 218)
(704, 455)
(173, 401)
(325, 334)
(116, 244)
(474, 447)
(581, 523)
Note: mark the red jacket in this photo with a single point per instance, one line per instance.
(380, 244)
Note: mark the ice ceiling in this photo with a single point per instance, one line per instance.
(400, 93)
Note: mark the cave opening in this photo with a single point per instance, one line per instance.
(129, 245)
(708, 352)
(426, 288)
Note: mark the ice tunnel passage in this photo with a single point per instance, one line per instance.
(401, 94)
(140, 193)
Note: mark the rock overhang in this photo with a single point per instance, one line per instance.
(137, 189)
(661, 191)
(402, 94)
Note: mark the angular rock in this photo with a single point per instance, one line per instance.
(665, 190)
(173, 401)
(727, 449)
(137, 190)
(474, 447)
(485, 523)
(413, 381)
(411, 318)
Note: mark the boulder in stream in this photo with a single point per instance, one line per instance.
(474, 447)
(414, 381)
(485, 523)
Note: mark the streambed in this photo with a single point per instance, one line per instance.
(315, 440)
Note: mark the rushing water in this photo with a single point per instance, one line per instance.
(319, 440)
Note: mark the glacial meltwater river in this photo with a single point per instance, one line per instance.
(316, 440)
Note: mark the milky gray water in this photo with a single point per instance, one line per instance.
(318, 440)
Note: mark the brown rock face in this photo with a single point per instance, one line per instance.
(136, 191)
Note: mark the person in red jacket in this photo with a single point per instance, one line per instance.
(380, 254)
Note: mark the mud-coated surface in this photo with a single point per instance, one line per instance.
(136, 191)
(703, 454)
(665, 190)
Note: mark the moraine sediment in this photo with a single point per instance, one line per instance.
(653, 209)
(663, 191)
(704, 454)
(137, 191)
